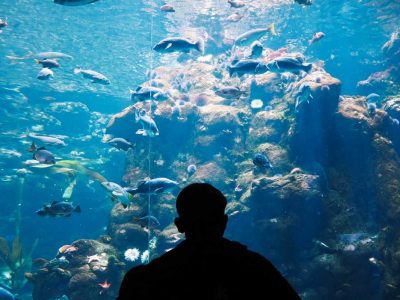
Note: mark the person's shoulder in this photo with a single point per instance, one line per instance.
(246, 255)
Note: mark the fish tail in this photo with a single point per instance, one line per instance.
(200, 45)
(77, 70)
(77, 209)
(37, 61)
(307, 67)
(272, 29)
(132, 191)
(32, 148)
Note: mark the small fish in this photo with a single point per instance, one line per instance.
(304, 2)
(261, 160)
(191, 169)
(235, 17)
(149, 126)
(45, 74)
(167, 8)
(153, 186)
(48, 63)
(3, 23)
(147, 221)
(316, 37)
(288, 64)
(228, 92)
(74, 2)
(67, 249)
(256, 49)
(120, 144)
(303, 95)
(42, 155)
(247, 66)
(58, 209)
(118, 193)
(249, 37)
(178, 44)
(236, 3)
(96, 77)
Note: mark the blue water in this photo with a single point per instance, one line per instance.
(116, 38)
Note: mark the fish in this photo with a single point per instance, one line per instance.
(120, 144)
(304, 2)
(42, 55)
(149, 93)
(67, 249)
(147, 221)
(44, 74)
(149, 126)
(48, 63)
(47, 140)
(228, 92)
(96, 77)
(247, 66)
(288, 64)
(6, 295)
(42, 155)
(167, 8)
(236, 3)
(118, 193)
(178, 44)
(3, 23)
(256, 49)
(74, 2)
(235, 17)
(153, 186)
(249, 37)
(303, 95)
(261, 160)
(316, 37)
(58, 209)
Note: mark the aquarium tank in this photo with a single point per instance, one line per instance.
(108, 108)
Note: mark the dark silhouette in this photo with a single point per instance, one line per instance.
(206, 265)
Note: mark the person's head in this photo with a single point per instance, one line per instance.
(201, 211)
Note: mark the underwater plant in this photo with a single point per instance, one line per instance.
(16, 262)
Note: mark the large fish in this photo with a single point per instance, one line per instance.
(74, 2)
(288, 64)
(178, 44)
(149, 93)
(247, 66)
(58, 209)
(153, 186)
(249, 37)
(41, 55)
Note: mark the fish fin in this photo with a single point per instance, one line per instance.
(138, 88)
(77, 70)
(141, 132)
(32, 148)
(168, 46)
(77, 209)
(307, 67)
(200, 46)
(271, 28)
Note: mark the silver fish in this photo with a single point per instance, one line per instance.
(149, 126)
(248, 37)
(74, 2)
(96, 77)
(45, 74)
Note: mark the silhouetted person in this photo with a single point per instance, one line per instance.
(206, 265)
